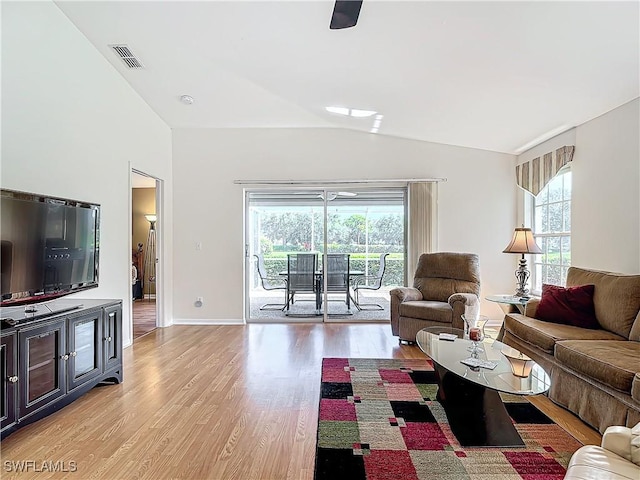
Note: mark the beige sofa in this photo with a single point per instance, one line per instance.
(594, 373)
(618, 457)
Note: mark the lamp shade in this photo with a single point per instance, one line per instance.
(151, 218)
(520, 364)
(522, 242)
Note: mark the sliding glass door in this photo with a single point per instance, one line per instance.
(354, 238)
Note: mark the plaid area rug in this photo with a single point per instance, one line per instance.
(379, 420)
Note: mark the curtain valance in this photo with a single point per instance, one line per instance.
(535, 174)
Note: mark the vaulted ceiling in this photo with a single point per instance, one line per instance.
(488, 75)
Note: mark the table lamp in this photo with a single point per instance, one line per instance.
(522, 243)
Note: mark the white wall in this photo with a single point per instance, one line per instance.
(71, 127)
(606, 192)
(476, 205)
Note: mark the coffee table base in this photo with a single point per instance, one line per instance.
(477, 416)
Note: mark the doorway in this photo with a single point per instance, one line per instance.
(144, 225)
(362, 229)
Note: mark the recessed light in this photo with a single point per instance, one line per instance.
(186, 99)
(350, 112)
(361, 113)
(338, 110)
(376, 123)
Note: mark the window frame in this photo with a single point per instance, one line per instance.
(540, 262)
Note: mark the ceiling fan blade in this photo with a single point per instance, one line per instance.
(345, 14)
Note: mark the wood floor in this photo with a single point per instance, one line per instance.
(144, 317)
(210, 402)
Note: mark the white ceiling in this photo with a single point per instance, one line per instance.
(488, 75)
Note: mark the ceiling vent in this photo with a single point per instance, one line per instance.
(127, 56)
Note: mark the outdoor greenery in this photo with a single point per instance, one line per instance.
(294, 231)
(363, 238)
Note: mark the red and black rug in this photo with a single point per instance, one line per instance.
(379, 420)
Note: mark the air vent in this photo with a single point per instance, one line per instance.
(127, 56)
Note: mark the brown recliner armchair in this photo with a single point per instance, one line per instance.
(444, 285)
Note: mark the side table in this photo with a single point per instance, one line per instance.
(509, 303)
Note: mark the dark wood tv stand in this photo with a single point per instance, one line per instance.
(49, 360)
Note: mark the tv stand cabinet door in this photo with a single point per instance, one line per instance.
(112, 336)
(9, 372)
(84, 342)
(43, 366)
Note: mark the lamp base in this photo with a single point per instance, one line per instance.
(522, 275)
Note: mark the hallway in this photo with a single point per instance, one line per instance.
(144, 317)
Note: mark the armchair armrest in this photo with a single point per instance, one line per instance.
(406, 294)
(399, 295)
(467, 299)
(461, 303)
(623, 441)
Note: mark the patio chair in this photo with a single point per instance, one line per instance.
(279, 283)
(362, 283)
(337, 272)
(301, 276)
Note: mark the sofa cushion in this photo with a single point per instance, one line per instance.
(569, 306)
(611, 362)
(427, 310)
(544, 335)
(616, 297)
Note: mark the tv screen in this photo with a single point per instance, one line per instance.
(49, 247)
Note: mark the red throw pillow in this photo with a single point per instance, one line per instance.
(569, 306)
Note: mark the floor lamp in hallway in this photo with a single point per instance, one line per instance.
(149, 276)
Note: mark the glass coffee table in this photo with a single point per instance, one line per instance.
(471, 396)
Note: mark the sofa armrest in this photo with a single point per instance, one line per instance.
(635, 387)
(462, 303)
(399, 295)
(530, 307)
(623, 441)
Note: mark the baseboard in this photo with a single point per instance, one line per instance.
(356, 322)
(207, 321)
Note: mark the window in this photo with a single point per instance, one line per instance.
(552, 227)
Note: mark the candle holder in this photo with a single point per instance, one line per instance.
(520, 364)
(476, 335)
(473, 320)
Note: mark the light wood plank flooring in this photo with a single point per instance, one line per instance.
(210, 402)
(144, 317)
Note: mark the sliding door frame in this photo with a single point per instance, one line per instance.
(324, 188)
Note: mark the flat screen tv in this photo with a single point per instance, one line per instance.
(49, 247)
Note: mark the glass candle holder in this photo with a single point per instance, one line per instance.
(473, 320)
(476, 335)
